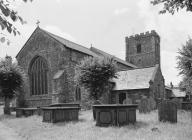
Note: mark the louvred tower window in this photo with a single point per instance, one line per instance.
(138, 48)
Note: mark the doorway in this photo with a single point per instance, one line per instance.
(122, 97)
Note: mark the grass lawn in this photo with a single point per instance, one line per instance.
(32, 128)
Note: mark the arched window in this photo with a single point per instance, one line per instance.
(78, 94)
(38, 76)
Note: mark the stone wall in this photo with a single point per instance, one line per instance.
(150, 49)
(58, 56)
(157, 87)
(134, 95)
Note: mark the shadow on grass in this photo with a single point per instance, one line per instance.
(69, 122)
(137, 125)
(5, 117)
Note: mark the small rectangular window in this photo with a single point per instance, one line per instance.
(139, 48)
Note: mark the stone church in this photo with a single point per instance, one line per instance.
(49, 62)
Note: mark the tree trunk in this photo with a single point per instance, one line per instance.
(96, 102)
(7, 109)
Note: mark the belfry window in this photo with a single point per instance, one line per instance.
(38, 76)
(138, 48)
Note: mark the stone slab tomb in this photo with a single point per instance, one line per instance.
(60, 114)
(25, 112)
(116, 115)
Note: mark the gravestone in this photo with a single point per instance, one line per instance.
(178, 102)
(144, 106)
(167, 111)
(127, 101)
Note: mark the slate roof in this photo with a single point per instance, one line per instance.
(168, 88)
(102, 53)
(71, 44)
(177, 93)
(65, 42)
(135, 79)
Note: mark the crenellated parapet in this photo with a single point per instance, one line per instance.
(142, 35)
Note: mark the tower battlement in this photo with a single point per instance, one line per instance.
(145, 34)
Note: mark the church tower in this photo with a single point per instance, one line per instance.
(143, 50)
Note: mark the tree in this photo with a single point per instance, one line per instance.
(8, 16)
(12, 78)
(173, 6)
(184, 64)
(94, 74)
(185, 85)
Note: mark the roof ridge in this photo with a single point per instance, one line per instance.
(141, 68)
(113, 56)
(27, 41)
(64, 38)
(102, 51)
(70, 44)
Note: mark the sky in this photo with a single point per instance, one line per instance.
(104, 24)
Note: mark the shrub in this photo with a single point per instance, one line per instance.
(94, 75)
(86, 103)
(11, 81)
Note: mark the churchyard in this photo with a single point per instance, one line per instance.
(53, 88)
(65, 111)
(147, 127)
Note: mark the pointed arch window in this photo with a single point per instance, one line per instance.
(38, 76)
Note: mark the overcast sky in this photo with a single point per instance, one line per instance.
(105, 23)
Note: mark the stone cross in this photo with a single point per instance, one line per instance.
(38, 22)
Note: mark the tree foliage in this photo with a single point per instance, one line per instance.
(173, 6)
(184, 64)
(8, 16)
(185, 85)
(94, 74)
(11, 78)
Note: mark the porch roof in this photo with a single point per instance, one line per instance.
(135, 79)
(177, 93)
